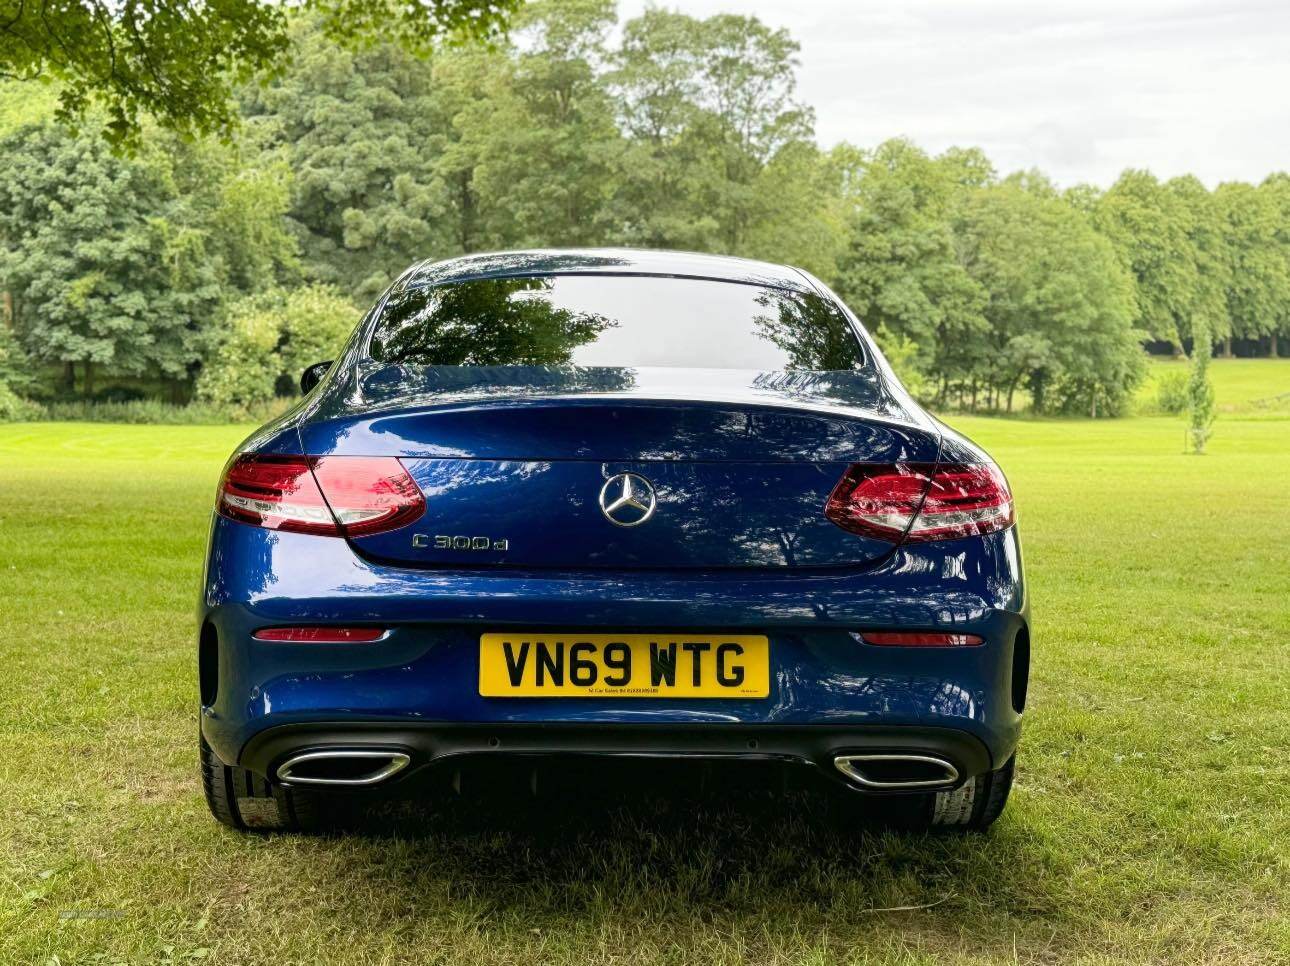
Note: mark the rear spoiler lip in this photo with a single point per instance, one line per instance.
(463, 403)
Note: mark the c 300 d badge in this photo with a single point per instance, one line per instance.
(627, 500)
(443, 541)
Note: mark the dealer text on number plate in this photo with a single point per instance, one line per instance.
(573, 665)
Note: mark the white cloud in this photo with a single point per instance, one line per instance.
(1079, 88)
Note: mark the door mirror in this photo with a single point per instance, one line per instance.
(313, 375)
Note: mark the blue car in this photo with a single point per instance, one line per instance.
(559, 504)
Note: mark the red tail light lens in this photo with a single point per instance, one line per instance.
(369, 494)
(276, 492)
(329, 495)
(964, 500)
(920, 502)
(320, 635)
(920, 639)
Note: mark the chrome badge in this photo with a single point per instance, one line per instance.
(627, 500)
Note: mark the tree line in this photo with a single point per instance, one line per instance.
(194, 265)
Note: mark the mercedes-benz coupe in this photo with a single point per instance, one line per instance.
(610, 504)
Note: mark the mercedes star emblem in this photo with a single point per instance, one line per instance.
(627, 500)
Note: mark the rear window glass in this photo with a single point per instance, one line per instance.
(616, 320)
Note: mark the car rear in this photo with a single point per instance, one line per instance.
(598, 512)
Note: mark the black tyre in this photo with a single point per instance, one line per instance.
(972, 807)
(247, 802)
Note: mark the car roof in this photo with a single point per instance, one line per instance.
(606, 261)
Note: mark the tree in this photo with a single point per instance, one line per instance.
(901, 269)
(265, 341)
(543, 145)
(1207, 231)
(1200, 392)
(719, 154)
(1277, 186)
(358, 129)
(117, 263)
(179, 61)
(1258, 289)
(1059, 305)
(1151, 230)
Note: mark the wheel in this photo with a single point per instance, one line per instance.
(247, 802)
(972, 807)
(975, 804)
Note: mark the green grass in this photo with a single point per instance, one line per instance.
(1150, 822)
(1240, 385)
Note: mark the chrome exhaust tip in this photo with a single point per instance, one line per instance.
(897, 772)
(351, 768)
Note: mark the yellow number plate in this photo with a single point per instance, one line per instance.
(574, 665)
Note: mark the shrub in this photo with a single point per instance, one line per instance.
(1171, 392)
(271, 338)
(15, 377)
(902, 352)
(162, 413)
(1200, 392)
(15, 409)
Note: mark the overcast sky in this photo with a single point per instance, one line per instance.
(1079, 88)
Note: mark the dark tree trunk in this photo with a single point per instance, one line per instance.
(89, 378)
(1272, 346)
(466, 230)
(69, 377)
(1227, 347)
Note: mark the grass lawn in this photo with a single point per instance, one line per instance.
(1240, 385)
(1150, 823)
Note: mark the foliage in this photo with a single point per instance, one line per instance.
(15, 377)
(1172, 390)
(1200, 393)
(358, 130)
(358, 158)
(1150, 228)
(1060, 307)
(1258, 294)
(15, 367)
(267, 340)
(15, 409)
(902, 355)
(901, 270)
(118, 263)
(179, 61)
(542, 147)
(156, 412)
(1001, 285)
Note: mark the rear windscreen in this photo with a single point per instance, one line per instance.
(614, 320)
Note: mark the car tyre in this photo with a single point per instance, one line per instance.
(247, 802)
(972, 807)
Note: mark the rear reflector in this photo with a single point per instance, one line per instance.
(920, 502)
(920, 639)
(320, 635)
(328, 495)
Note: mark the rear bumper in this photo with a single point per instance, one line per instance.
(432, 744)
(423, 677)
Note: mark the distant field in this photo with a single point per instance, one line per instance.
(1150, 822)
(1239, 384)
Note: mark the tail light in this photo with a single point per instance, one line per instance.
(920, 639)
(320, 635)
(325, 495)
(921, 502)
